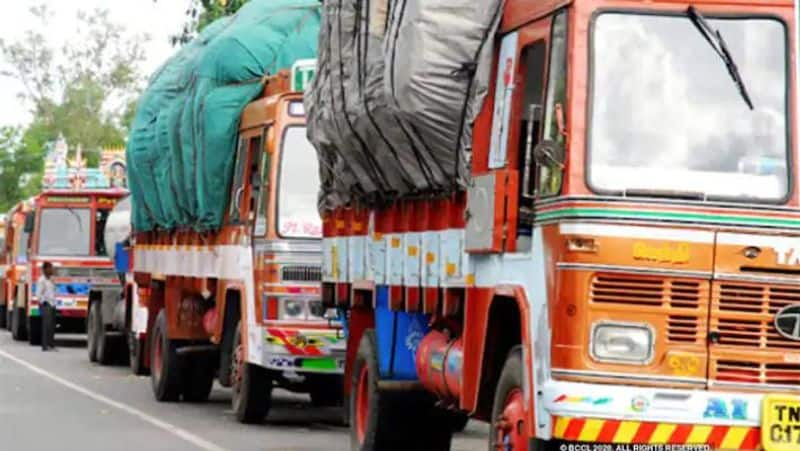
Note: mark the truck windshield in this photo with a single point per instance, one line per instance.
(666, 117)
(65, 232)
(298, 186)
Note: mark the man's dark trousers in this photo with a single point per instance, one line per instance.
(48, 326)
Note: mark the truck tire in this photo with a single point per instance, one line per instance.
(165, 375)
(35, 330)
(136, 351)
(9, 318)
(391, 421)
(91, 331)
(252, 385)
(106, 346)
(326, 390)
(18, 332)
(509, 412)
(459, 421)
(3, 317)
(198, 378)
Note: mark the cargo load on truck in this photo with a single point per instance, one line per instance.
(398, 86)
(181, 147)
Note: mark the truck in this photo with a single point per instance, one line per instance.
(65, 228)
(114, 323)
(242, 303)
(15, 252)
(612, 267)
(3, 269)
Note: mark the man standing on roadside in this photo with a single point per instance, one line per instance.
(46, 292)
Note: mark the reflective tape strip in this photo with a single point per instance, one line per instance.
(616, 431)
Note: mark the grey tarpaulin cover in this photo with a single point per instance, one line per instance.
(398, 86)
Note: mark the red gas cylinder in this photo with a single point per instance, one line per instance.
(439, 364)
(210, 321)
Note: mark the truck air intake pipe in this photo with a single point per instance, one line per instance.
(439, 364)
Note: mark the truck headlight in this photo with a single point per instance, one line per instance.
(293, 309)
(622, 342)
(316, 310)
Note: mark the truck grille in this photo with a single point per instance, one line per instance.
(679, 299)
(301, 274)
(743, 315)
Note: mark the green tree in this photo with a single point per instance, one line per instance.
(17, 168)
(201, 13)
(83, 89)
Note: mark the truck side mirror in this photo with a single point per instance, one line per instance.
(30, 222)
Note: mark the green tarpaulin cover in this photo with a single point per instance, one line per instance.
(181, 149)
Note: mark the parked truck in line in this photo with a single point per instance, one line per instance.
(243, 303)
(16, 260)
(621, 264)
(65, 228)
(116, 323)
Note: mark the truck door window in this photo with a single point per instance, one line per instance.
(263, 192)
(237, 187)
(101, 217)
(260, 182)
(549, 176)
(533, 60)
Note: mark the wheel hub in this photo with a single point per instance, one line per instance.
(237, 369)
(510, 426)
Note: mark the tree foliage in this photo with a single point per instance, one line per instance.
(83, 89)
(200, 13)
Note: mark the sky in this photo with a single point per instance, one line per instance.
(159, 19)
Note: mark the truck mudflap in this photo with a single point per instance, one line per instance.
(300, 350)
(617, 414)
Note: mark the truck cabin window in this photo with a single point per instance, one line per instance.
(298, 183)
(65, 232)
(668, 119)
(263, 192)
(22, 246)
(101, 218)
(533, 59)
(237, 186)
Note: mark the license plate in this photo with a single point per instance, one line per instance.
(780, 423)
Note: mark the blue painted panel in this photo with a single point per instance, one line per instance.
(398, 335)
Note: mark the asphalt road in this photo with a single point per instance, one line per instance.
(61, 401)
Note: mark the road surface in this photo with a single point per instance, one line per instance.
(59, 400)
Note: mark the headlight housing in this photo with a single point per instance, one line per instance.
(617, 342)
(293, 309)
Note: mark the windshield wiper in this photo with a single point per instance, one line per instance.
(717, 42)
(80, 221)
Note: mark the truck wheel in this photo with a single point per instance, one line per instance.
(19, 332)
(252, 386)
(165, 375)
(9, 318)
(136, 354)
(198, 378)
(396, 421)
(509, 413)
(105, 345)
(3, 317)
(459, 421)
(326, 390)
(91, 332)
(35, 330)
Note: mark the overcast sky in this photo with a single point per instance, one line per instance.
(159, 19)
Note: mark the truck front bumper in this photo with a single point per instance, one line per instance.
(583, 412)
(304, 350)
